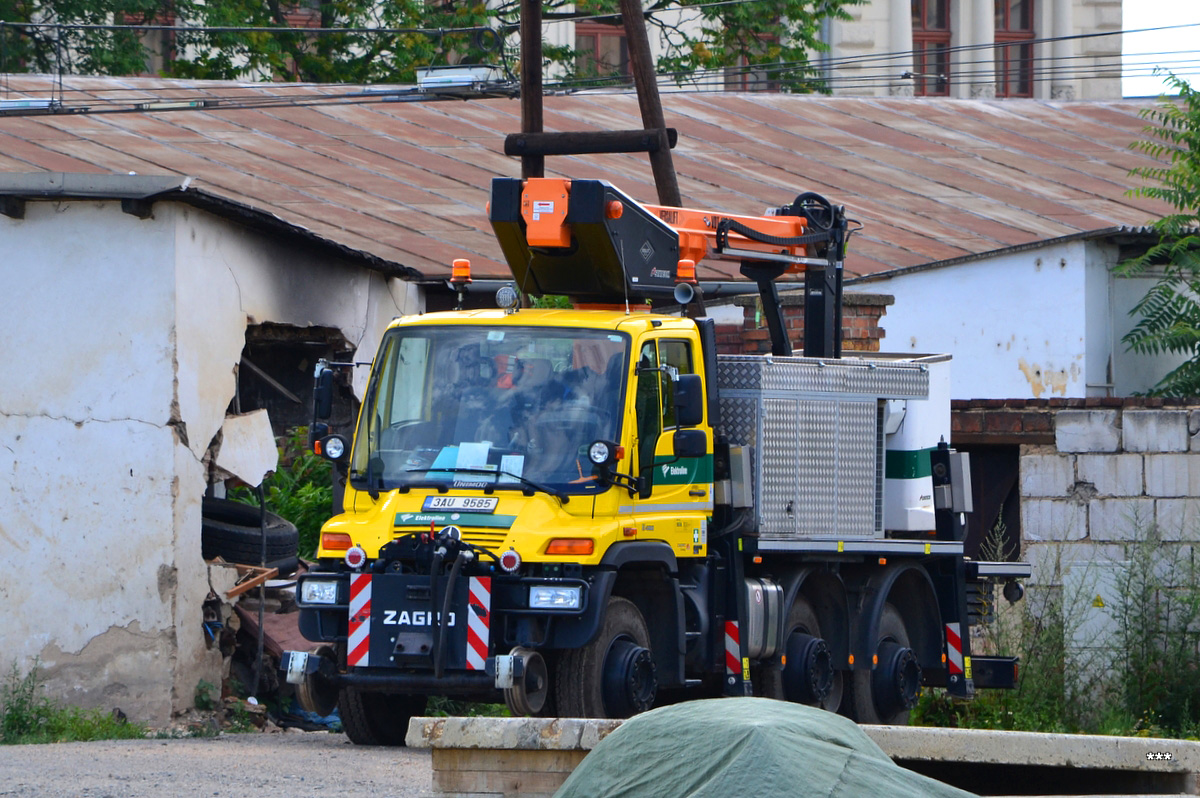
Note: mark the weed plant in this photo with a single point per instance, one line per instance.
(28, 716)
(1144, 682)
(1157, 673)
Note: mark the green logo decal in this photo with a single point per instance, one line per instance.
(462, 519)
(683, 471)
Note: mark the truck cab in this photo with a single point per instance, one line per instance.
(534, 454)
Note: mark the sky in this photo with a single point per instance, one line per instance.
(1177, 49)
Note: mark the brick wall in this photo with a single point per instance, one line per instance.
(861, 314)
(1031, 421)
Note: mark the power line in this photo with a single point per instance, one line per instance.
(871, 68)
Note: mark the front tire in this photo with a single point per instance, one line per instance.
(613, 676)
(371, 718)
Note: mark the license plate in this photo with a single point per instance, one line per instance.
(474, 504)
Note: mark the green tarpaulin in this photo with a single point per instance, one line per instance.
(733, 747)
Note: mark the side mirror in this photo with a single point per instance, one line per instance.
(690, 443)
(689, 400)
(323, 394)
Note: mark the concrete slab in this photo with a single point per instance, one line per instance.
(1000, 762)
(470, 757)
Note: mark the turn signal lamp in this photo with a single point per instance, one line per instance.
(460, 271)
(576, 547)
(614, 209)
(337, 541)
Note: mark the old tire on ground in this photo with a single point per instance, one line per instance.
(231, 530)
(885, 694)
(612, 676)
(806, 676)
(371, 718)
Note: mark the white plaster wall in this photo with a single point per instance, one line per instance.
(865, 33)
(246, 278)
(121, 338)
(1015, 324)
(86, 453)
(1132, 372)
(227, 277)
(1099, 261)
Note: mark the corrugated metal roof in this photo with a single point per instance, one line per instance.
(406, 182)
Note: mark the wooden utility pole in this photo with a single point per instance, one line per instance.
(531, 83)
(646, 82)
(532, 144)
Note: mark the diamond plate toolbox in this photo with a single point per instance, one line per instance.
(816, 433)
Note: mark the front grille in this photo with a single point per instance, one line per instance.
(490, 540)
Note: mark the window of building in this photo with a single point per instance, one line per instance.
(931, 47)
(600, 50)
(1014, 48)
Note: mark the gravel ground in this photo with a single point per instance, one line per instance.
(230, 766)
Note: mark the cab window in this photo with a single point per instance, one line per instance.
(658, 362)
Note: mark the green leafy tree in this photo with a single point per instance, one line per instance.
(385, 42)
(1169, 314)
(766, 41)
(375, 42)
(52, 35)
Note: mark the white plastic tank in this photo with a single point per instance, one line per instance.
(913, 428)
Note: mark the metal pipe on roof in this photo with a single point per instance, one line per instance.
(712, 290)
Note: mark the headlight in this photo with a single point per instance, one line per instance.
(335, 447)
(315, 591)
(548, 597)
(600, 452)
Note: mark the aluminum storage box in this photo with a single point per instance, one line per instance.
(815, 428)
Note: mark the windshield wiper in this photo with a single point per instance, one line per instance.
(558, 494)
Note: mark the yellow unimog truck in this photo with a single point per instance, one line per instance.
(589, 512)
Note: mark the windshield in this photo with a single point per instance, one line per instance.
(485, 407)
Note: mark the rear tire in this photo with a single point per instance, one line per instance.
(613, 676)
(885, 694)
(370, 718)
(778, 680)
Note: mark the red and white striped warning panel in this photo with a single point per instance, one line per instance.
(733, 649)
(479, 621)
(954, 655)
(358, 648)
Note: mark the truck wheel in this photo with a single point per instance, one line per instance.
(613, 676)
(371, 718)
(887, 693)
(316, 694)
(806, 675)
(528, 695)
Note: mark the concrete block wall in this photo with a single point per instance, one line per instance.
(1111, 474)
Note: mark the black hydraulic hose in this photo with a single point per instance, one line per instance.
(725, 225)
(439, 650)
(435, 568)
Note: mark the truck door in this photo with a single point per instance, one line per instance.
(679, 502)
